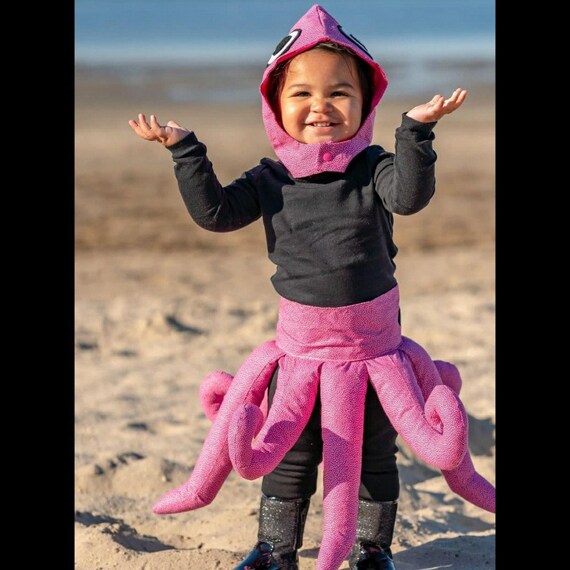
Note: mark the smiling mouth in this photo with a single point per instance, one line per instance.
(322, 124)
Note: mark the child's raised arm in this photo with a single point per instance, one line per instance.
(167, 135)
(435, 109)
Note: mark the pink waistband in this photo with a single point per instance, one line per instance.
(353, 332)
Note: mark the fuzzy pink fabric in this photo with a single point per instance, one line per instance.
(301, 159)
(213, 465)
(339, 349)
(213, 388)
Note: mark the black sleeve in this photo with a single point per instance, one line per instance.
(405, 181)
(212, 206)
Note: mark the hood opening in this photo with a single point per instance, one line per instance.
(275, 80)
(317, 26)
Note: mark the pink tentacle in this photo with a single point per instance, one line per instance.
(467, 483)
(423, 367)
(449, 374)
(463, 479)
(438, 434)
(343, 391)
(213, 464)
(213, 390)
(430, 373)
(293, 403)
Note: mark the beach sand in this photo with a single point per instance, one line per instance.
(160, 303)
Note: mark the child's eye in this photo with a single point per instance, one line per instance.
(339, 94)
(301, 94)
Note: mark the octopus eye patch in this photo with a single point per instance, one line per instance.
(284, 45)
(354, 40)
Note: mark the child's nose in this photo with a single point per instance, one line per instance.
(320, 104)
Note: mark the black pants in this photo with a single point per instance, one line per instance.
(296, 476)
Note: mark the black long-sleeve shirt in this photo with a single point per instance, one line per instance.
(330, 235)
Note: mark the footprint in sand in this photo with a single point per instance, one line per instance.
(122, 533)
(121, 459)
(129, 475)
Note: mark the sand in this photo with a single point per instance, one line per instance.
(160, 303)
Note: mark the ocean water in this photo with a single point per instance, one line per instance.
(423, 44)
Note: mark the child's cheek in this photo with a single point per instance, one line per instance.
(290, 119)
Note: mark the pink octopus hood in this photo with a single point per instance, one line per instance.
(302, 159)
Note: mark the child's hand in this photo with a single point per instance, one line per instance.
(167, 135)
(435, 109)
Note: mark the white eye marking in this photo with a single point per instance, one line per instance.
(284, 45)
(354, 40)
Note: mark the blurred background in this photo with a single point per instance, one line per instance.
(195, 60)
(160, 303)
(423, 45)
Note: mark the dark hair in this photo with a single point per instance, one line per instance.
(365, 76)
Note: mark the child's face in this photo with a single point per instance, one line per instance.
(321, 99)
